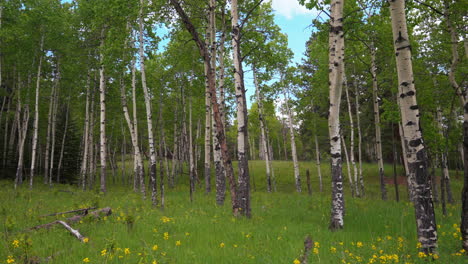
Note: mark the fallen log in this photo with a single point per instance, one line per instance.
(74, 232)
(96, 214)
(85, 210)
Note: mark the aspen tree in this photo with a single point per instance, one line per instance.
(415, 150)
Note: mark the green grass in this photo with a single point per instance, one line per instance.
(210, 234)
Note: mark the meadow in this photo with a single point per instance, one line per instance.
(375, 231)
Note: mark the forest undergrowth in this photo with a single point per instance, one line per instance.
(375, 231)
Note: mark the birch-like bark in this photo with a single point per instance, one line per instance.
(149, 115)
(84, 160)
(263, 128)
(242, 136)
(207, 171)
(348, 166)
(358, 120)
(443, 160)
(138, 160)
(212, 85)
(335, 76)
(191, 161)
(160, 145)
(49, 127)
(36, 115)
(22, 131)
(416, 152)
(405, 163)
(54, 125)
(59, 166)
(92, 153)
(297, 176)
(102, 124)
(351, 148)
(174, 153)
(378, 137)
(5, 137)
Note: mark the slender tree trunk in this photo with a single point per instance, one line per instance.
(263, 128)
(5, 137)
(416, 152)
(443, 159)
(59, 167)
(161, 142)
(102, 125)
(242, 136)
(219, 168)
(22, 131)
(174, 153)
(36, 115)
(191, 161)
(54, 125)
(358, 120)
(84, 160)
(207, 171)
(212, 85)
(297, 176)
(395, 180)
(378, 138)
(92, 152)
(149, 116)
(336, 65)
(351, 149)
(49, 127)
(348, 167)
(138, 159)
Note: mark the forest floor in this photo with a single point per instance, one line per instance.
(375, 231)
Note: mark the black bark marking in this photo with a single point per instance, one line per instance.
(335, 155)
(404, 83)
(410, 123)
(415, 143)
(410, 93)
(335, 139)
(414, 107)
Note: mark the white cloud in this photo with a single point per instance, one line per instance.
(289, 8)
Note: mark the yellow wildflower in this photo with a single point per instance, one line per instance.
(316, 251)
(235, 245)
(359, 244)
(154, 262)
(187, 233)
(10, 259)
(435, 256)
(103, 252)
(166, 235)
(85, 240)
(163, 253)
(296, 261)
(455, 225)
(221, 245)
(317, 244)
(127, 251)
(155, 247)
(15, 243)
(333, 249)
(422, 255)
(178, 243)
(86, 260)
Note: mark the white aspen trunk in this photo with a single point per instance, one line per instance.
(5, 137)
(378, 137)
(405, 163)
(49, 127)
(351, 148)
(22, 124)
(138, 160)
(207, 160)
(59, 167)
(336, 66)
(242, 136)
(317, 148)
(348, 166)
(219, 123)
(161, 142)
(36, 115)
(443, 160)
(84, 161)
(416, 152)
(191, 161)
(263, 137)
(92, 154)
(297, 176)
(174, 153)
(149, 116)
(54, 124)
(358, 120)
(221, 73)
(102, 124)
